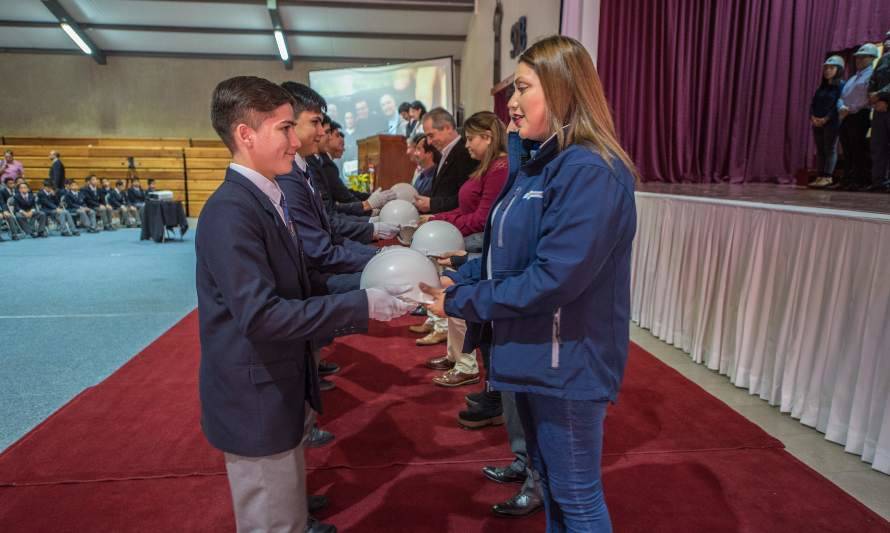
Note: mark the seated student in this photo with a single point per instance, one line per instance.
(90, 196)
(7, 191)
(427, 158)
(12, 224)
(48, 203)
(104, 187)
(135, 194)
(116, 200)
(73, 202)
(30, 217)
(340, 260)
(455, 167)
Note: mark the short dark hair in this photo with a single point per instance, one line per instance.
(440, 116)
(404, 107)
(325, 120)
(417, 104)
(243, 100)
(151, 180)
(429, 148)
(305, 98)
(8, 178)
(118, 183)
(88, 178)
(48, 183)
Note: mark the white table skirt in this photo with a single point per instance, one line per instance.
(791, 303)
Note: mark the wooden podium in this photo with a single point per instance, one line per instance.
(387, 154)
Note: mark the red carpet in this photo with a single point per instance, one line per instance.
(127, 455)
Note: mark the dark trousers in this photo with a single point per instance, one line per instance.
(565, 444)
(826, 149)
(854, 141)
(880, 148)
(343, 283)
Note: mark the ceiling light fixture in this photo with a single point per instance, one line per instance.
(77, 39)
(282, 46)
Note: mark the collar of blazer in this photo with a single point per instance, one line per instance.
(461, 146)
(293, 246)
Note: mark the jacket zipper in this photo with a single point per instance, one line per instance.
(504, 216)
(554, 348)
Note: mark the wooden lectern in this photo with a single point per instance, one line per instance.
(387, 154)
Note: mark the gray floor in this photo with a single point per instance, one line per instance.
(74, 309)
(847, 471)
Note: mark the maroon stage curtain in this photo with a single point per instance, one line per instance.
(707, 91)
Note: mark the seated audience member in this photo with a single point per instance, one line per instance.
(104, 187)
(73, 202)
(487, 143)
(416, 111)
(90, 196)
(339, 260)
(57, 170)
(7, 191)
(135, 194)
(454, 168)
(116, 199)
(427, 158)
(12, 224)
(30, 217)
(48, 203)
(10, 167)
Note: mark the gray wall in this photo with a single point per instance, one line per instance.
(72, 96)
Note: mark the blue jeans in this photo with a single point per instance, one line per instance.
(565, 444)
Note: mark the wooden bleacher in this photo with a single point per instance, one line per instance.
(167, 160)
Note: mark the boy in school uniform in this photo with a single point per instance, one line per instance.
(25, 207)
(74, 204)
(48, 203)
(89, 194)
(116, 199)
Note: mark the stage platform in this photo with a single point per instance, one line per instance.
(782, 195)
(785, 290)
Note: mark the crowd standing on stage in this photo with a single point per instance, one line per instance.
(849, 111)
(546, 208)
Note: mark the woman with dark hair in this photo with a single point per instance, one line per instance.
(551, 293)
(416, 111)
(825, 121)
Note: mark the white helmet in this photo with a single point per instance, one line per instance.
(404, 191)
(400, 213)
(437, 237)
(397, 269)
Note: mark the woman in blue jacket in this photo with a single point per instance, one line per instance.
(551, 293)
(824, 119)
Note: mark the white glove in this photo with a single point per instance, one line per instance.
(379, 198)
(374, 218)
(385, 230)
(383, 306)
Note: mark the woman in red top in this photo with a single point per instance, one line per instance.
(487, 143)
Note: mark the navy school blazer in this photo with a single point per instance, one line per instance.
(258, 323)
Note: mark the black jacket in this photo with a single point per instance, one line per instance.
(824, 103)
(258, 320)
(136, 196)
(24, 203)
(47, 202)
(115, 199)
(90, 197)
(880, 78)
(455, 170)
(343, 227)
(57, 174)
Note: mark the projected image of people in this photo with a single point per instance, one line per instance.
(378, 100)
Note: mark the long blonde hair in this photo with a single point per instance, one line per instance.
(487, 123)
(578, 110)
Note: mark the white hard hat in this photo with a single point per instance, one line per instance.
(404, 191)
(397, 269)
(867, 49)
(399, 212)
(437, 237)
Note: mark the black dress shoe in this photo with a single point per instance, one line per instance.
(504, 474)
(488, 412)
(326, 368)
(524, 503)
(318, 437)
(316, 502)
(326, 385)
(474, 398)
(314, 526)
